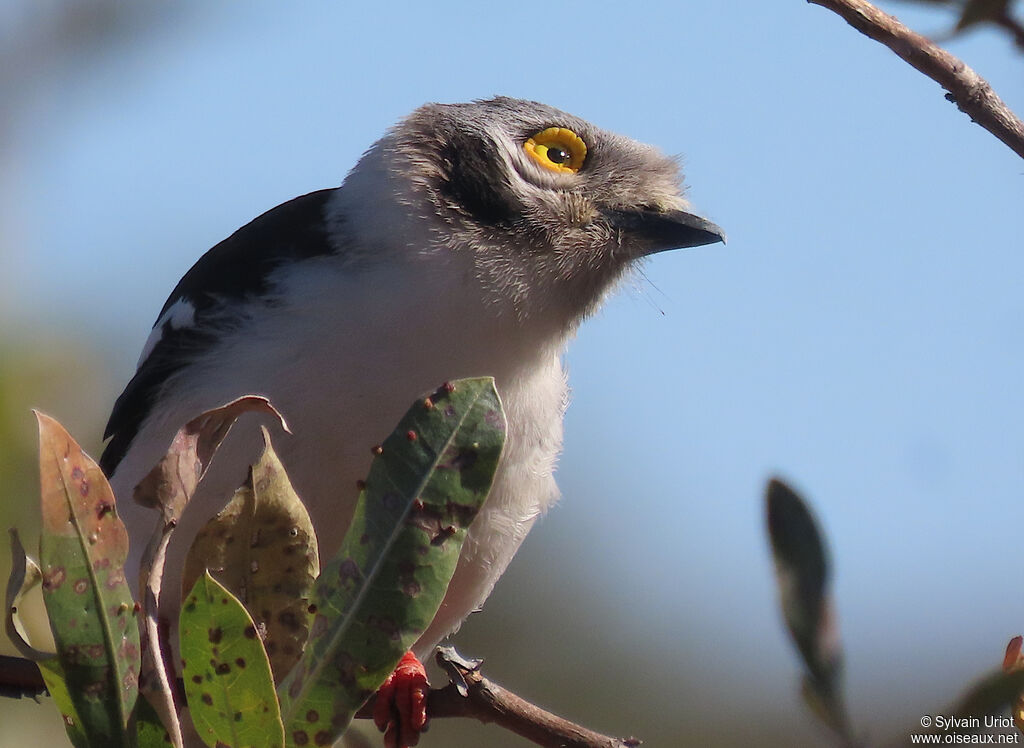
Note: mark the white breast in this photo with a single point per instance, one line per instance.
(343, 355)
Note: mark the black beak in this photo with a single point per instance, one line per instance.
(657, 231)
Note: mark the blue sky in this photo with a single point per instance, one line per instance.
(860, 334)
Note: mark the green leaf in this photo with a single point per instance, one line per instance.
(53, 677)
(802, 572)
(262, 547)
(25, 575)
(226, 671)
(151, 732)
(82, 551)
(384, 587)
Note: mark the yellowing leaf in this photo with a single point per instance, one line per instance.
(262, 548)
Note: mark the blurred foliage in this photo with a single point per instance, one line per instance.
(54, 375)
(51, 374)
(803, 572)
(59, 375)
(803, 575)
(971, 13)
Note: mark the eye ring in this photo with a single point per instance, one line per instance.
(557, 149)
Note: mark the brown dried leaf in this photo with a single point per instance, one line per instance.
(169, 487)
(171, 483)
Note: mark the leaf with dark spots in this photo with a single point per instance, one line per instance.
(86, 543)
(227, 701)
(384, 587)
(262, 548)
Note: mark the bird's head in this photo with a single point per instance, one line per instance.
(552, 209)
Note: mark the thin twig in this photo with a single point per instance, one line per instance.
(155, 683)
(968, 90)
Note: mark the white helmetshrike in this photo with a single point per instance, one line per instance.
(471, 240)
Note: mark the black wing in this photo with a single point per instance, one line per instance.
(235, 270)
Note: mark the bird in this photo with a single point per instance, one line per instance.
(471, 240)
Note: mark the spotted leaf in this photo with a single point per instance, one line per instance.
(82, 550)
(385, 585)
(226, 671)
(262, 547)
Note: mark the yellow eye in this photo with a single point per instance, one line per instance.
(557, 149)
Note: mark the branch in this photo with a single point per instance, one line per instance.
(468, 695)
(20, 677)
(969, 91)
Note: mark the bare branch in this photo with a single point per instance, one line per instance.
(472, 695)
(968, 90)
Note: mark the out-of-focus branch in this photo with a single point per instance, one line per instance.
(1005, 21)
(19, 678)
(968, 90)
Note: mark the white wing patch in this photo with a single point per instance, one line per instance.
(179, 315)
